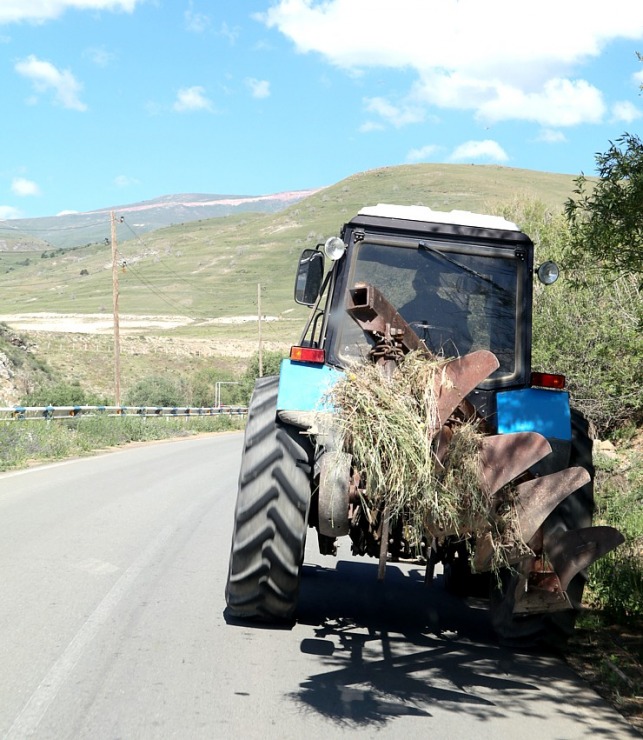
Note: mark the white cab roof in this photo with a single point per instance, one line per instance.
(423, 213)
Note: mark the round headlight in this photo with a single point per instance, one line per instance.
(548, 273)
(334, 248)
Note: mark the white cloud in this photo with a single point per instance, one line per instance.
(190, 99)
(369, 126)
(45, 76)
(196, 22)
(7, 212)
(12, 11)
(402, 33)
(422, 153)
(125, 181)
(486, 150)
(560, 102)
(258, 88)
(499, 58)
(625, 111)
(99, 56)
(229, 33)
(397, 116)
(551, 136)
(638, 77)
(23, 187)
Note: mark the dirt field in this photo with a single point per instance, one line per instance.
(148, 329)
(80, 347)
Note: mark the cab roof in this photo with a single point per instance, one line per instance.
(425, 214)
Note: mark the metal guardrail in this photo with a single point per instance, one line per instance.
(69, 412)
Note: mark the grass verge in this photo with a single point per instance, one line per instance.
(25, 442)
(606, 648)
(609, 656)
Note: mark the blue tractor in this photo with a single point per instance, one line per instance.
(457, 286)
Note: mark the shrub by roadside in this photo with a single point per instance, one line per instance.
(607, 646)
(616, 581)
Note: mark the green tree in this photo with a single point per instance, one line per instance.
(157, 390)
(605, 218)
(62, 394)
(270, 363)
(588, 330)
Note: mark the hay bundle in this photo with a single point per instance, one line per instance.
(388, 424)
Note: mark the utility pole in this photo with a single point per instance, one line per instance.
(117, 337)
(259, 326)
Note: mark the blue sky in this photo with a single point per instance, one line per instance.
(108, 102)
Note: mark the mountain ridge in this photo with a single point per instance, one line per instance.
(210, 268)
(71, 229)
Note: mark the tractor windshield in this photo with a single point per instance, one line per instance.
(455, 302)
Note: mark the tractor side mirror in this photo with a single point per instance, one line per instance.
(310, 273)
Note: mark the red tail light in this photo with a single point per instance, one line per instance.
(548, 380)
(308, 354)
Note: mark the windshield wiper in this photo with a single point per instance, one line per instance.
(428, 248)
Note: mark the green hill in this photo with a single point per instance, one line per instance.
(211, 268)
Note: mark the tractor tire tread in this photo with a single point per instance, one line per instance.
(271, 514)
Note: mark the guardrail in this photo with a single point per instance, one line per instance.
(18, 413)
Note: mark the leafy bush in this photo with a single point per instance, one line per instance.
(271, 362)
(203, 388)
(616, 581)
(61, 394)
(591, 334)
(158, 390)
(589, 330)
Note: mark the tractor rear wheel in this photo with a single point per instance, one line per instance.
(574, 512)
(271, 513)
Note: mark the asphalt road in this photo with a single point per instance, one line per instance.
(112, 573)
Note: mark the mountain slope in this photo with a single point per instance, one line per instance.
(211, 268)
(70, 230)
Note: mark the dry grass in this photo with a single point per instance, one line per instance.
(389, 424)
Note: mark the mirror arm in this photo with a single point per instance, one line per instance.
(315, 307)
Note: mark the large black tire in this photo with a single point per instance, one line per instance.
(271, 514)
(574, 512)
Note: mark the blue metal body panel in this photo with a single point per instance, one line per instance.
(305, 387)
(534, 410)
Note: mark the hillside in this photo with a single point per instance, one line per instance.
(70, 230)
(188, 293)
(211, 268)
(14, 240)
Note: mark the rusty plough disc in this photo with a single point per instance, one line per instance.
(553, 553)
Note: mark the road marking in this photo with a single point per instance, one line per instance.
(35, 709)
(96, 566)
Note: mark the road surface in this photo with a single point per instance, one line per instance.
(112, 621)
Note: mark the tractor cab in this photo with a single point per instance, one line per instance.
(459, 287)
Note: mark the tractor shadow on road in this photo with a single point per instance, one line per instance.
(400, 648)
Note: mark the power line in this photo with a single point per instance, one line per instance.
(159, 293)
(161, 262)
(154, 289)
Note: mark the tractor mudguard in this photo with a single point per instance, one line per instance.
(534, 410)
(304, 386)
(538, 410)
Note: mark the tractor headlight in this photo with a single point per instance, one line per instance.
(548, 272)
(334, 248)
